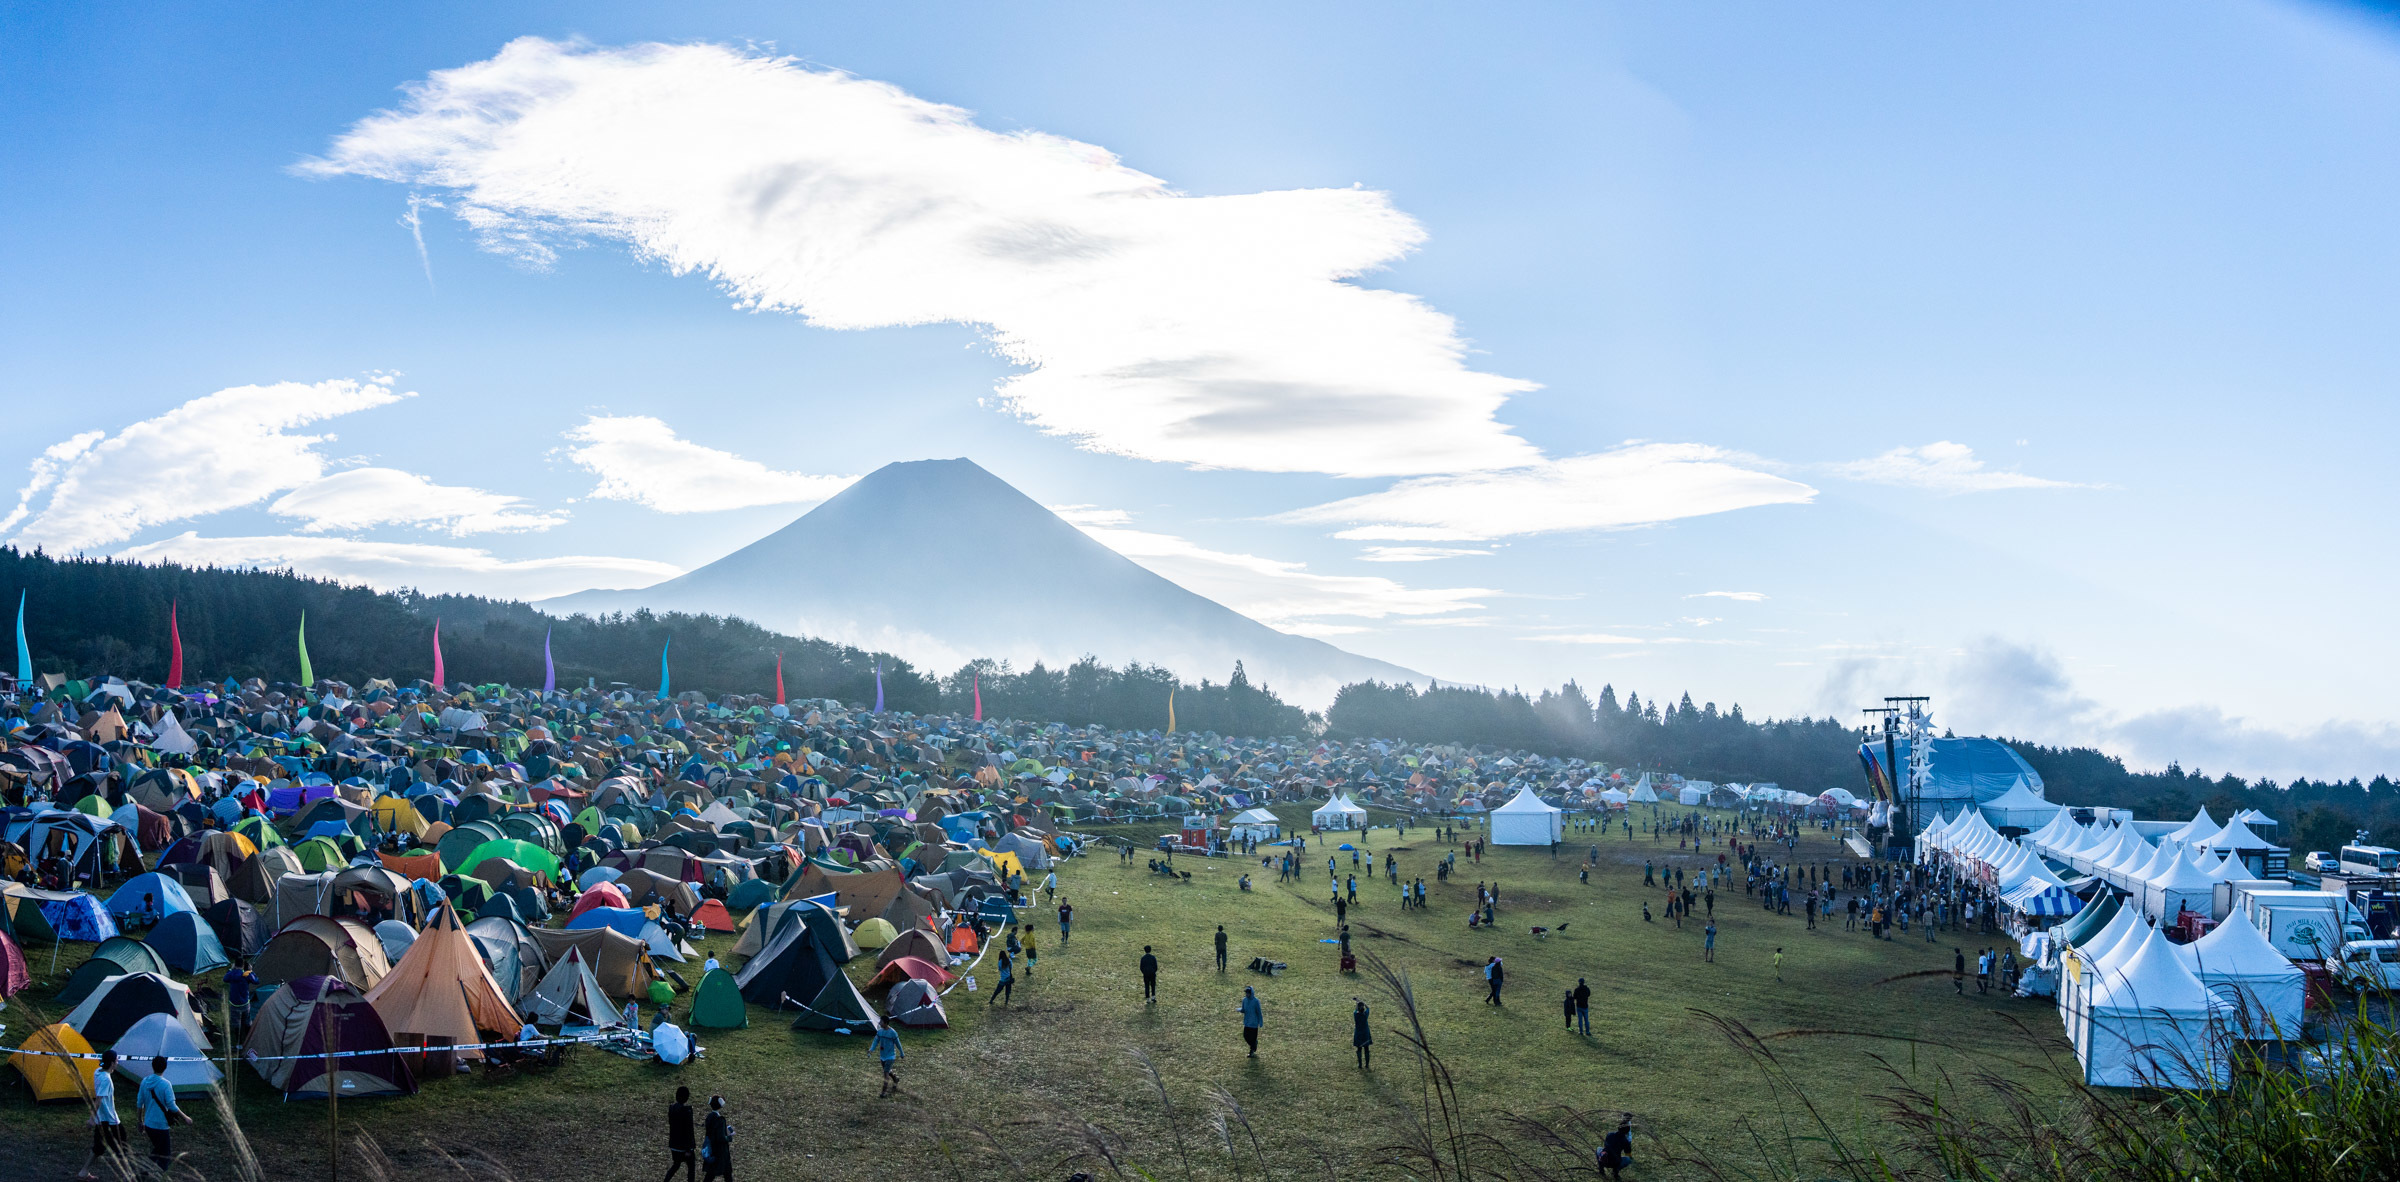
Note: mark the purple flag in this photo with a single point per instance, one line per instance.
(878, 687)
(549, 667)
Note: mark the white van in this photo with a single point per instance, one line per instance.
(2370, 964)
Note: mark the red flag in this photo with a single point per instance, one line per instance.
(174, 650)
(979, 697)
(779, 679)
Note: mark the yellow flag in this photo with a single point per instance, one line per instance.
(1170, 709)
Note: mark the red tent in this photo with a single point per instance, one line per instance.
(906, 968)
(962, 940)
(713, 916)
(14, 976)
(602, 894)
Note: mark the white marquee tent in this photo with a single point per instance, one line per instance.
(1256, 825)
(1525, 820)
(1338, 813)
(2242, 969)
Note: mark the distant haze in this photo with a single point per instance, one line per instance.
(941, 562)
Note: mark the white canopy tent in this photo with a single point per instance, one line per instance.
(2183, 885)
(1256, 825)
(1338, 813)
(2150, 1022)
(1525, 820)
(2019, 808)
(2243, 970)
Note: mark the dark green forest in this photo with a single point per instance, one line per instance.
(87, 616)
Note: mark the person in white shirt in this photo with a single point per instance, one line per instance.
(709, 967)
(108, 1132)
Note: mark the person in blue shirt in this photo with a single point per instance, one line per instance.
(156, 1101)
(887, 1049)
(108, 1132)
(1254, 1016)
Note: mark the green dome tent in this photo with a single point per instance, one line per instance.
(523, 853)
(717, 1004)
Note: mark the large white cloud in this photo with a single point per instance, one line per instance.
(1640, 484)
(363, 498)
(222, 451)
(1943, 467)
(424, 566)
(1212, 331)
(640, 459)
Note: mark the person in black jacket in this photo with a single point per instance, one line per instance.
(1362, 1040)
(1617, 1149)
(1220, 947)
(1149, 976)
(680, 1145)
(720, 1141)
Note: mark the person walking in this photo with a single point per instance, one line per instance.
(1617, 1149)
(1254, 1016)
(682, 1149)
(108, 1132)
(1958, 972)
(1066, 916)
(1220, 948)
(1583, 1007)
(716, 1143)
(1779, 964)
(1362, 1040)
(1149, 976)
(155, 1099)
(1708, 942)
(888, 1052)
(1008, 981)
(1497, 975)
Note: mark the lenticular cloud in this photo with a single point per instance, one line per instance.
(1211, 331)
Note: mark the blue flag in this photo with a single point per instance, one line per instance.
(879, 687)
(549, 667)
(662, 668)
(24, 653)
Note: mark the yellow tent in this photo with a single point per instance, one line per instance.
(875, 933)
(51, 1077)
(1004, 862)
(396, 815)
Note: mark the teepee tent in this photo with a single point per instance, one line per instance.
(441, 990)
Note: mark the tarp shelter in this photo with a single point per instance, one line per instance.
(717, 1004)
(570, 995)
(188, 945)
(441, 990)
(119, 1002)
(915, 1003)
(1255, 825)
(1526, 820)
(53, 1076)
(615, 958)
(1338, 812)
(116, 956)
(161, 1034)
(2242, 969)
(311, 1016)
(321, 946)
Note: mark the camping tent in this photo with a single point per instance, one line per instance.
(908, 968)
(15, 977)
(837, 1007)
(615, 958)
(510, 952)
(51, 1075)
(188, 945)
(717, 1004)
(570, 995)
(916, 942)
(1338, 813)
(1525, 820)
(874, 934)
(321, 946)
(296, 1020)
(119, 1002)
(395, 937)
(116, 956)
(915, 1003)
(161, 1034)
(1255, 825)
(441, 989)
(792, 967)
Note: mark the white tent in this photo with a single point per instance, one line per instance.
(1642, 793)
(1338, 813)
(1692, 795)
(2019, 808)
(2199, 829)
(2182, 886)
(1256, 825)
(2236, 840)
(2241, 968)
(1525, 820)
(163, 1034)
(2149, 1022)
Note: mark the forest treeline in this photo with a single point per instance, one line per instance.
(88, 615)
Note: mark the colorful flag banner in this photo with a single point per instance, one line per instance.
(24, 653)
(549, 667)
(174, 649)
(308, 675)
(779, 679)
(878, 687)
(979, 697)
(1170, 709)
(662, 668)
(438, 683)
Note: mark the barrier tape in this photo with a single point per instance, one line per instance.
(250, 1058)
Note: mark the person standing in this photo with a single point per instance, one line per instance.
(1958, 971)
(888, 1052)
(1149, 976)
(1708, 942)
(1779, 964)
(239, 981)
(1031, 954)
(1566, 1005)
(1362, 1040)
(1220, 948)
(1066, 916)
(1254, 1016)
(1583, 1007)
(108, 1132)
(682, 1149)
(156, 1101)
(717, 1142)
(1497, 975)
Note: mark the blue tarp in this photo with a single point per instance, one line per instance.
(81, 918)
(628, 920)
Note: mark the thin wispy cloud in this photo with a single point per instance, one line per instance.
(424, 566)
(1585, 638)
(1419, 553)
(1736, 596)
(1219, 331)
(363, 498)
(414, 219)
(640, 459)
(1943, 467)
(1642, 484)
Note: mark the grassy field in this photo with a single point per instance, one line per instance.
(1018, 1090)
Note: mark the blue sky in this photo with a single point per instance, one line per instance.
(2036, 357)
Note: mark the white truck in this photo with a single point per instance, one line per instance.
(2305, 925)
(2370, 964)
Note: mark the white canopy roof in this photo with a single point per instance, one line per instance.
(1254, 817)
(2235, 951)
(2151, 980)
(2238, 836)
(1526, 802)
(2200, 828)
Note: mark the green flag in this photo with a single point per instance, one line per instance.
(308, 676)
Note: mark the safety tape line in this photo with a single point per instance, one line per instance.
(247, 1057)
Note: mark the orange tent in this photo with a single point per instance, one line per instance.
(441, 989)
(962, 940)
(713, 916)
(426, 865)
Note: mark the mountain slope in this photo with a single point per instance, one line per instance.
(941, 561)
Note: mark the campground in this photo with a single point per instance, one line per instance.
(1018, 1089)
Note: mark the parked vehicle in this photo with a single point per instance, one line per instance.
(2305, 925)
(2370, 964)
(2320, 862)
(2370, 861)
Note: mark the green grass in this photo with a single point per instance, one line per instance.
(1033, 1084)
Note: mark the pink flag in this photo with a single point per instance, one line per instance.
(979, 697)
(174, 650)
(437, 655)
(779, 679)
